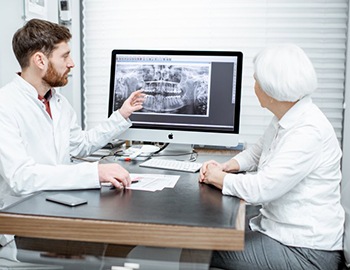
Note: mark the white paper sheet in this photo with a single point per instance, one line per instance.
(153, 182)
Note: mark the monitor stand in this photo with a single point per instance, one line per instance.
(182, 151)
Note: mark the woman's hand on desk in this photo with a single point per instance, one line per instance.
(214, 173)
(114, 174)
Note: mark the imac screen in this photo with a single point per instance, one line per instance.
(188, 91)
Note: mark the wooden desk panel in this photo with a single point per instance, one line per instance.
(192, 215)
(124, 233)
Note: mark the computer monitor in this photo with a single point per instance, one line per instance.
(193, 97)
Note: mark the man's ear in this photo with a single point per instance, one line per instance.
(39, 60)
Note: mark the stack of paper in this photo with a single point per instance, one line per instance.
(152, 182)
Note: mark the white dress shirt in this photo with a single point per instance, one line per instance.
(297, 180)
(35, 150)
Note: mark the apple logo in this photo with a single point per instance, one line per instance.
(171, 136)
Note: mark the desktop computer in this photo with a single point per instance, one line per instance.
(193, 97)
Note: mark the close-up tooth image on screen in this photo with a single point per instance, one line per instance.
(170, 89)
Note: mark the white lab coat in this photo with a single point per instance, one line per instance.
(35, 150)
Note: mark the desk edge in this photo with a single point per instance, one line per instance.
(160, 235)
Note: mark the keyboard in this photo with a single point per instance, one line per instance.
(170, 164)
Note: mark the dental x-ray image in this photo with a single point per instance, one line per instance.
(171, 89)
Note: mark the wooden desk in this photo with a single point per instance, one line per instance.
(192, 215)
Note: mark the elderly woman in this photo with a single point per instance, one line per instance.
(296, 179)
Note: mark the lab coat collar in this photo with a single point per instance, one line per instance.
(28, 88)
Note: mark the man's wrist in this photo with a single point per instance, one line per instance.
(123, 113)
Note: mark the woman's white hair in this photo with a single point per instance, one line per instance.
(284, 72)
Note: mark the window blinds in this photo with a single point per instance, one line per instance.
(318, 26)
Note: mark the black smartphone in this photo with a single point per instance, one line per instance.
(66, 199)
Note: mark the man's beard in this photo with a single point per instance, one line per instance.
(53, 79)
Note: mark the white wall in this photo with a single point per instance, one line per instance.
(72, 91)
(12, 18)
(11, 13)
(346, 155)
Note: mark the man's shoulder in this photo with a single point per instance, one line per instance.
(9, 89)
(7, 93)
(9, 96)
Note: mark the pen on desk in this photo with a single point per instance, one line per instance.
(124, 158)
(132, 182)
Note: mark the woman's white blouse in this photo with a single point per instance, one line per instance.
(297, 180)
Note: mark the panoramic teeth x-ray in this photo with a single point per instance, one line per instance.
(171, 89)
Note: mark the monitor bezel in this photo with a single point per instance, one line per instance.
(238, 54)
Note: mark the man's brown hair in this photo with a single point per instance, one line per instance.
(38, 35)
